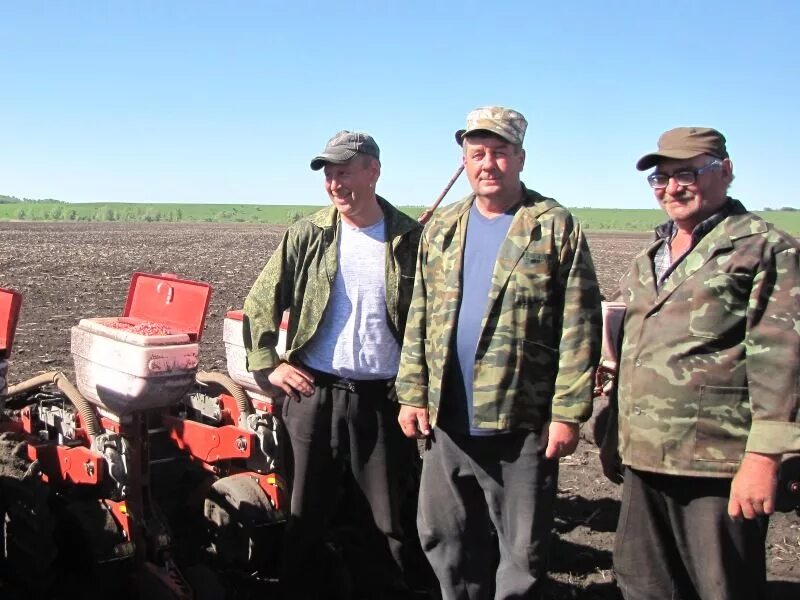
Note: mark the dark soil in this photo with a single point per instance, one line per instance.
(70, 271)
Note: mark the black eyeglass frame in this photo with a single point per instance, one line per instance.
(659, 180)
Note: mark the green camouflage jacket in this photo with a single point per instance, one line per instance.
(300, 274)
(541, 333)
(710, 363)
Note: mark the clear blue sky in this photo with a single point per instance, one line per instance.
(200, 101)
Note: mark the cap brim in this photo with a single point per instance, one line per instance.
(462, 133)
(337, 159)
(648, 161)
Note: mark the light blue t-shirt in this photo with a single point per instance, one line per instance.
(485, 236)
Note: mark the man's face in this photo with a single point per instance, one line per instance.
(493, 165)
(690, 205)
(351, 186)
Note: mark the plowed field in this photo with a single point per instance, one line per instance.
(71, 271)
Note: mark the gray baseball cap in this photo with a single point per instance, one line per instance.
(345, 145)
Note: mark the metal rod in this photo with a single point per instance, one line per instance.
(428, 212)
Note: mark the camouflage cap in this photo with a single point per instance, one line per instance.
(345, 145)
(508, 124)
(683, 143)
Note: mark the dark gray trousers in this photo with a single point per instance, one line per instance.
(473, 484)
(675, 541)
(336, 430)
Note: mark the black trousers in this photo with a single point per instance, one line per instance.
(471, 485)
(345, 432)
(675, 541)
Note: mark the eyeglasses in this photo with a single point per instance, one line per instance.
(683, 177)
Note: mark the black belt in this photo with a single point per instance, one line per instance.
(345, 383)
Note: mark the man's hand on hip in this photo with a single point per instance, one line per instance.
(562, 439)
(414, 421)
(753, 487)
(292, 380)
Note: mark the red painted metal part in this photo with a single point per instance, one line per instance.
(230, 410)
(111, 425)
(119, 510)
(10, 302)
(208, 443)
(274, 487)
(27, 420)
(63, 464)
(263, 406)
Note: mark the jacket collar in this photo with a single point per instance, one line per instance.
(397, 223)
(533, 204)
(738, 224)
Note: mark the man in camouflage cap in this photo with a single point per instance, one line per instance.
(709, 382)
(346, 275)
(496, 367)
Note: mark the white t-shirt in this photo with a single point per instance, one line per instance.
(354, 340)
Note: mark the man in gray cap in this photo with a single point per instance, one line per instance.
(497, 366)
(346, 274)
(709, 382)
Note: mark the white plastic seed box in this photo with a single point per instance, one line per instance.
(236, 355)
(613, 316)
(148, 357)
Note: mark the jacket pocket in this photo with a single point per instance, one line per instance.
(723, 423)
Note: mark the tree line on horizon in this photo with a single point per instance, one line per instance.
(24, 209)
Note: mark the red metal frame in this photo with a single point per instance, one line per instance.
(119, 510)
(62, 464)
(274, 487)
(208, 443)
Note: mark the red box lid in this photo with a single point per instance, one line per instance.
(10, 303)
(169, 300)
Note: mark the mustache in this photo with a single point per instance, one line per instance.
(679, 198)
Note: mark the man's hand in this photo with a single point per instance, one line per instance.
(562, 439)
(753, 487)
(292, 380)
(414, 421)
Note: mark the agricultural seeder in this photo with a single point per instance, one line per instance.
(144, 477)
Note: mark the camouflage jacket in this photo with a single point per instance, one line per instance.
(300, 274)
(540, 337)
(710, 364)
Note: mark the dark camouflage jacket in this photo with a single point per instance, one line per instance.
(300, 274)
(541, 332)
(710, 364)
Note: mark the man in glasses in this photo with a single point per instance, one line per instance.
(709, 382)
